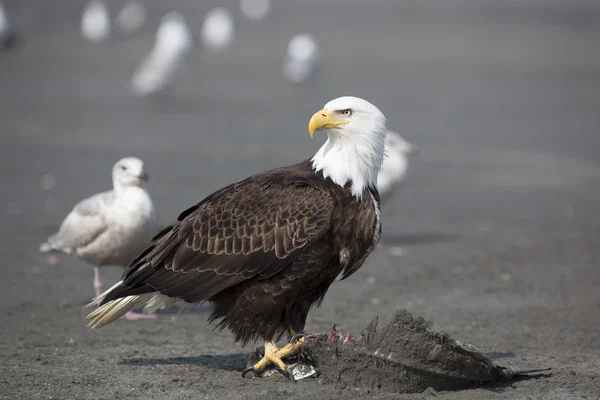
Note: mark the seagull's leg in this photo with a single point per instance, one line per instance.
(133, 316)
(97, 282)
(274, 355)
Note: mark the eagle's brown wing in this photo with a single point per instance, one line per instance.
(250, 230)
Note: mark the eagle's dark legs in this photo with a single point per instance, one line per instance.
(274, 355)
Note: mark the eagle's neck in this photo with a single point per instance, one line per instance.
(346, 160)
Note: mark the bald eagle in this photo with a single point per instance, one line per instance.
(265, 249)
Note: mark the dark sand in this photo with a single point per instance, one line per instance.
(499, 217)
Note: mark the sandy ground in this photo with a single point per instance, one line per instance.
(498, 219)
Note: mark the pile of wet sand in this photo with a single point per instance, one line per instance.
(406, 356)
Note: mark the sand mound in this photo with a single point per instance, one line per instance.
(406, 356)
(403, 357)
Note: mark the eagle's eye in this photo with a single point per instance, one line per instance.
(124, 168)
(347, 112)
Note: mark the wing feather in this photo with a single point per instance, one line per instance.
(82, 225)
(250, 230)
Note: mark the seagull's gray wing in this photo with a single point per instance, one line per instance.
(82, 226)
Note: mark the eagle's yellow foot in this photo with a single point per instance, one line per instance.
(275, 356)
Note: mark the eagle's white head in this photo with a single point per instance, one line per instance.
(355, 144)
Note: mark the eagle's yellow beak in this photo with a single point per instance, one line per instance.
(320, 120)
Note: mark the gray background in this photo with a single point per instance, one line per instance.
(498, 217)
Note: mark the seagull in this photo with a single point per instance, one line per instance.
(111, 227)
(95, 21)
(8, 34)
(255, 9)
(302, 59)
(218, 30)
(395, 164)
(172, 45)
(131, 17)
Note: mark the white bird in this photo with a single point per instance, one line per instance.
(173, 34)
(218, 29)
(255, 9)
(131, 17)
(302, 59)
(8, 34)
(3, 19)
(112, 227)
(395, 164)
(172, 44)
(95, 21)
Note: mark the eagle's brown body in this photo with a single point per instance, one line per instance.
(262, 250)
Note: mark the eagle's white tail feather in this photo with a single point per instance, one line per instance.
(113, 310)
(159, 302)
(97, 300)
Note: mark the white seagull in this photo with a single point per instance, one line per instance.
(8, 34)
(95, 21)
(302, 59)
(395, 164)
(218, 30)
(172, 45)
(255, 9)
(131, 17)
(110, 228)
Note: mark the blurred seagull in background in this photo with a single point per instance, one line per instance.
(255, 9)
(218, 30)
(95, 21)
(395, 164)
(172, 45)
(112, 227)
(131, 17)
(302, 59)
(8, 34)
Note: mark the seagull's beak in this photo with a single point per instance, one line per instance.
(143, 177)
(321, 120)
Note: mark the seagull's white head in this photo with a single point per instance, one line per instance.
(129, 171)
(355, 145)
(173, 36)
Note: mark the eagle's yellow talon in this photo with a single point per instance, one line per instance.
(275, 356)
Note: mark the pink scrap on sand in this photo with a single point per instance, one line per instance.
(336, 335)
